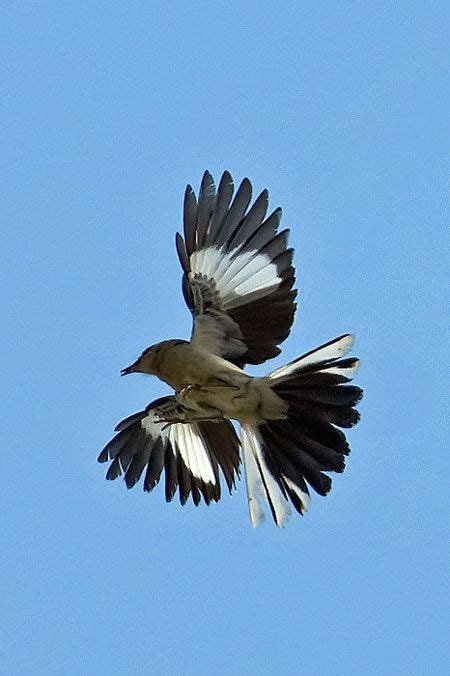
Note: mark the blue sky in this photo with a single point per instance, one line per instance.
(107, 110)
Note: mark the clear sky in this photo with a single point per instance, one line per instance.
(107, 110)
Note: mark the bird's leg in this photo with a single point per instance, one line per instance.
(197, 403)
(189, 420)
(207, 400)
(217, 399)
(178, 412)
(195, 400)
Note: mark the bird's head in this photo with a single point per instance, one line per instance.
(146, 363)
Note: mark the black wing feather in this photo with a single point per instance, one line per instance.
(236, 264)
(145, 443)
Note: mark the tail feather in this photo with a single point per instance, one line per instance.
(331, 351)
(280, 447)
(282, 457)
(328, 459)
(332, 395)
(262, 482)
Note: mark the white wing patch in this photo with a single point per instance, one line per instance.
(206, 261)
(151, 424)
(236, 276)
(187, 439)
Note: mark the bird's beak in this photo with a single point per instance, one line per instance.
(130, 369)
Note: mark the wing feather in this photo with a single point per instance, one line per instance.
(190, 454)
(238, 272)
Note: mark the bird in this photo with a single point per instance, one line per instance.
(285, 428)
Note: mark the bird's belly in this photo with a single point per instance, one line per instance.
(210, 386)
(186, 366)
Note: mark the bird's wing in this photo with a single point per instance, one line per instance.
(189, 453)
(238, 273)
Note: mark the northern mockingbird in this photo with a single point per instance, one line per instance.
(238, 283)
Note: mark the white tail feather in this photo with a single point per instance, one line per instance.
(332, 351)
(261, 486)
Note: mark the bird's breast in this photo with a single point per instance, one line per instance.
(183, 365)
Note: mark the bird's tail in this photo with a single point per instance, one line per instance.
(283, 457)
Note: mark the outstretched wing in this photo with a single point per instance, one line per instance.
(189, 453)
(238, 273)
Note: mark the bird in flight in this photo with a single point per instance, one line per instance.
(238, 281)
